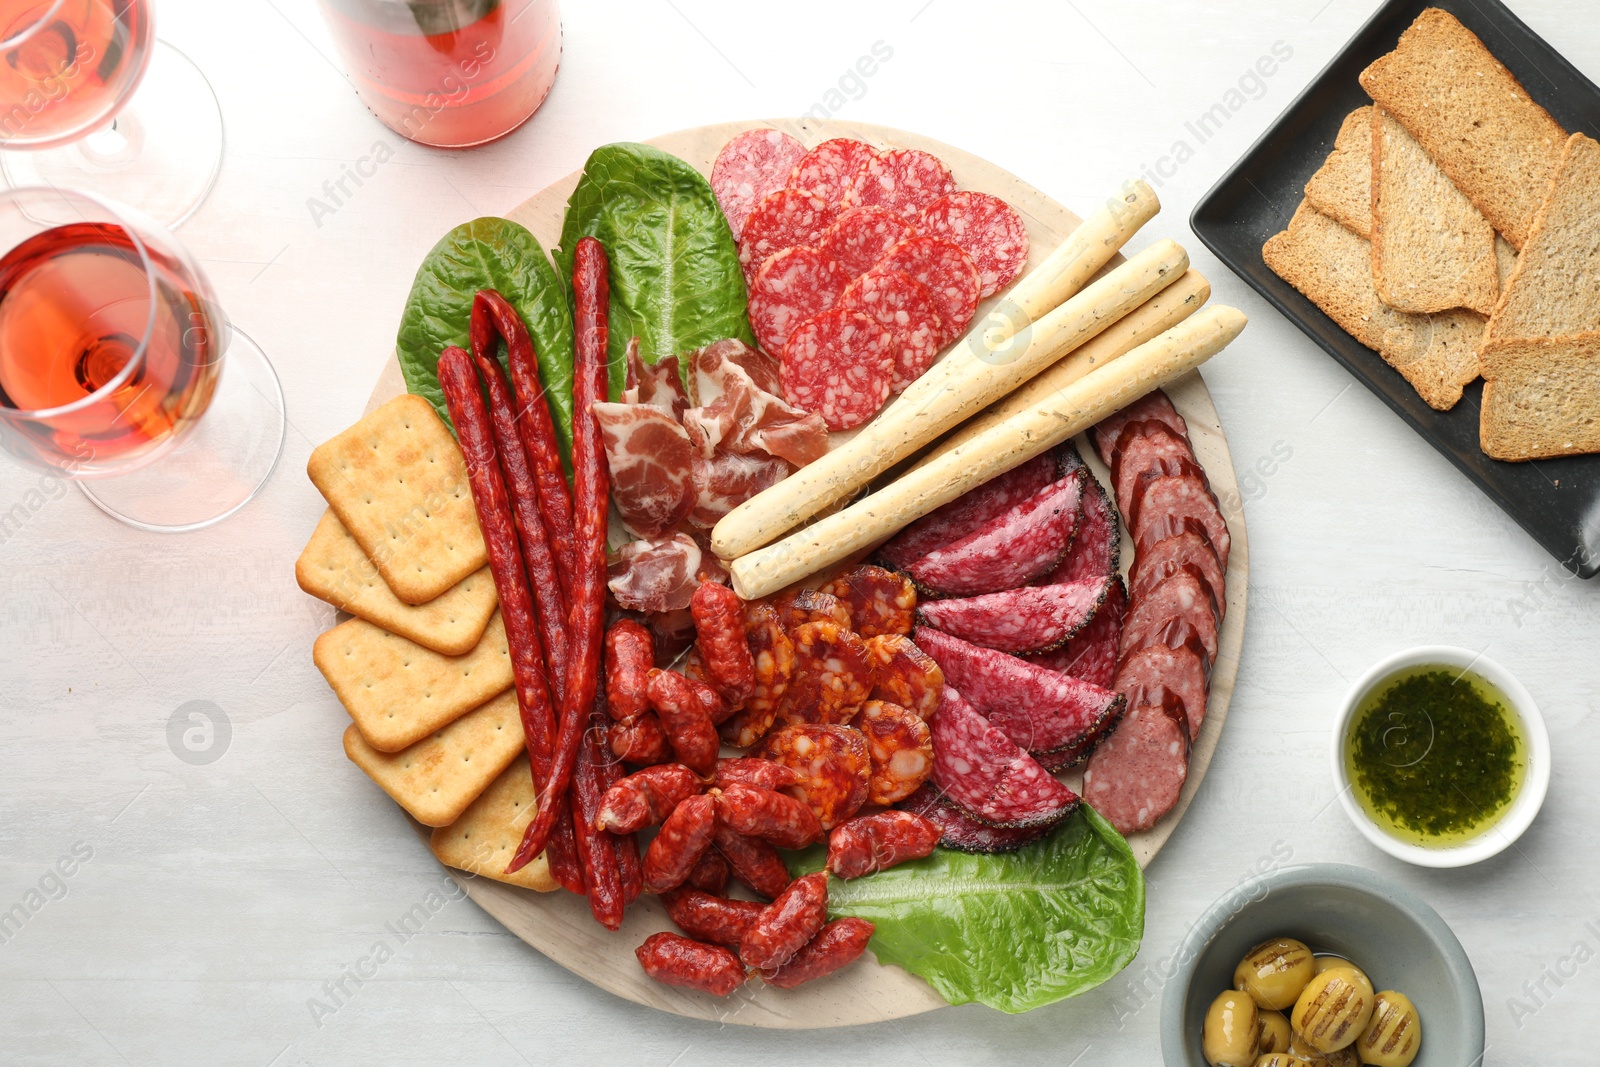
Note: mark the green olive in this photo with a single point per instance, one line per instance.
(1274, 972)
(1272, 1032)
(1394, 1034)
(1229, 1037)
(1325, 960)
(1303, 1055)
(1334, 1009)
(1280, 1059)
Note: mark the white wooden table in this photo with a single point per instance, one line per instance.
(220, 901)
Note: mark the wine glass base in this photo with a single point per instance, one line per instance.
(221, 463)
(161, 154)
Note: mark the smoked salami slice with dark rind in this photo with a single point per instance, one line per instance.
(832, 675)
(902, 673)
(800, 606)
(879, 601)
(828, 170)
(1180, 669)
(1188, 546)
(903, 306)
(980, 768)
(1091, 654)
(970, 510)
(1097, 543)
(1182, 596)
(861, 237)
(1032, 619)
(792, 285)
(1012, 549)
(987, 229)
(1136, 775)
(902, 180)
(1153, 405)
(900, 745)
(1161, 503)
(835, 767)
(752, 165)
(785, 219)
(1149, 448)
(1039, 709)
(840, 365)
(962, 832)
(948, 274)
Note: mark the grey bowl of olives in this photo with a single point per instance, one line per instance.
(1322, 926)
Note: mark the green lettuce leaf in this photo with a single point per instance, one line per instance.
(487, 253)
(1014, 931)
(675, 277)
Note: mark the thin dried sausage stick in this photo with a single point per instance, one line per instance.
(675, 960)
(763, 813)
(784, 926)
(629, 866)
(493, 314)
(597, 850)
(683, 839)
(591, 488)
(754, 862)
(719, 628)
(645, 798)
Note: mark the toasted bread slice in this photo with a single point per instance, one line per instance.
(1505, 260)
(1542, 399)
(1431, 249)
(1332, 266)
(1342, 187)
(1554, 294)
(1472, 116)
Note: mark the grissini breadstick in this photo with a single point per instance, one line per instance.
(952, 391)
(1152, 318)
(1054, 419)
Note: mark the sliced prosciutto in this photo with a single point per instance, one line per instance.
(1031, 619)
(1040, 710)
(725, 480)
(736, 414)
(980, 768)
(652, 477)
(659, 386)
(967, 512)
(1011, 549)
(656, 576)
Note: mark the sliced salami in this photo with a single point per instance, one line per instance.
(792, 286)
(800, 606)
(1188, 546)
(752, 165)
(901, 749)
(961, 831)
(989, 231)
(1182, 670)
(903, 306)
(902, 673)
(840, 365)
(1149, 449)
(784, 219)
(949, 275)
(1039, 709)
(861, 237)
(1162, 503)
(1136, 774)
(903, 180)
(828, 170)
(1031, 619)
(832, 675)
(1012, 549)
(983, 770)
(1096, 544)
(969, 511)
(1153, 405)
(1091, 654)
(1183, 596)
(835, 767)
(879, 601)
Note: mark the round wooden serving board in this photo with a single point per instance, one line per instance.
(559, 924)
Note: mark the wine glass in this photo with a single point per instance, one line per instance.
(90, 99)
(112, 347)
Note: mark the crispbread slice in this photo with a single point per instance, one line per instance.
(399, 692)
(1542, 399)
(436, 778)
(1472, 116)
(1342, 187)
(1431, 249)
(1505, 261)
(1332, 266)
(1555, 291)
(334, 569)
(397, 481)
(485, 837)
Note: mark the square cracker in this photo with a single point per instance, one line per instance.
(1437, 354)
(485, 837)
(436, 778)
(399, 692)
(1342, 187)
(397, 481)
(334, 569)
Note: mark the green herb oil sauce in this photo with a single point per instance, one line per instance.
(1435, 755)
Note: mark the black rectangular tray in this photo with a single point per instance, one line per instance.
(1556, 501)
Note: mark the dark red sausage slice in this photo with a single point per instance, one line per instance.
(1031, 619)
(961, 831)
(1188, 546)
(1091, 654)
(1136, 775)
(903, 306)
(784, 219)
(859, 238)
(1012, 549)
(903, 180)
(1096, 546)
(1153, 405)
(984, 771)
(948, 274)
(969, 511)
(1182, 597)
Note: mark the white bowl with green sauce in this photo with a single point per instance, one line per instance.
(1440, 756)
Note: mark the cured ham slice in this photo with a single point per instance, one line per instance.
(737, 414)
(725, 480)
(659, 386)
(651, 467)
(656, 576)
